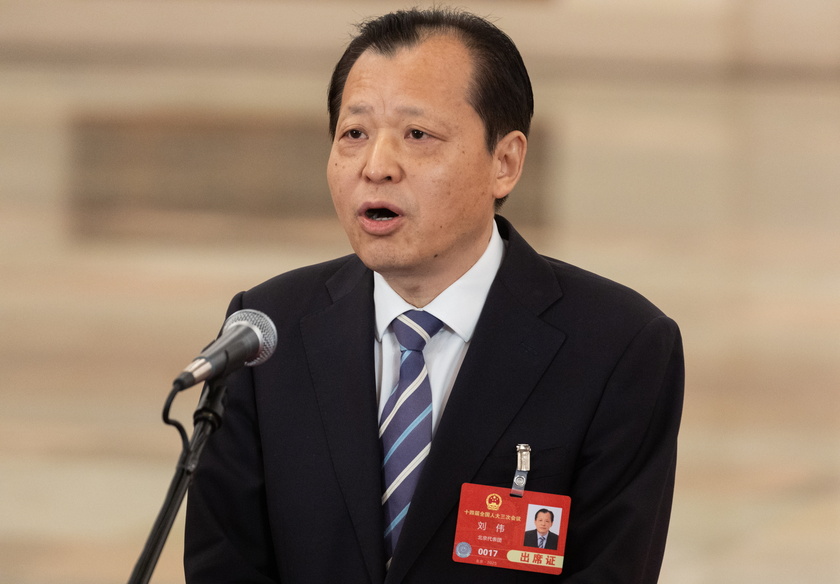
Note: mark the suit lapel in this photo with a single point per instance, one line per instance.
(509, 352)
(339, 348)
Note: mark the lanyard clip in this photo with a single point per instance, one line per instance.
(523, 465)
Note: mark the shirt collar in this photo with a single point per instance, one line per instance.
(459, 306)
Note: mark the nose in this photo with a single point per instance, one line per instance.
(382, 163)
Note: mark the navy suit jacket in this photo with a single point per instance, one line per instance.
(586, 371)
(550, 543)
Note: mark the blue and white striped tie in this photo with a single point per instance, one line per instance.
(405, 428)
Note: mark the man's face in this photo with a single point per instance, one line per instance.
(543, 522)
(411, 178)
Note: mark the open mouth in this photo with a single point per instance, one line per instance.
(380, 214)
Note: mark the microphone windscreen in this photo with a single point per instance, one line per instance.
(261, 322)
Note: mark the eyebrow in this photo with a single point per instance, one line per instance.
(365, 108)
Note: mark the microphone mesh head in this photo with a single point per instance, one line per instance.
(261, 324)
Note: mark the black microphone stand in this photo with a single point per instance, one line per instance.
(207, 419)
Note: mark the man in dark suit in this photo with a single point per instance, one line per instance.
(542, 536)
(429, 112)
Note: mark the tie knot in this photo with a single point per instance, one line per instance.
(414, 329)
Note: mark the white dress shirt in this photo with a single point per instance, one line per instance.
(459, 307)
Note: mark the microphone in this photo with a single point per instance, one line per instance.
(248, 337)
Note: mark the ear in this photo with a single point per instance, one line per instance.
(509, 158)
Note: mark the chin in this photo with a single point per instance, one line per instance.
(381, 257)
(377, 262)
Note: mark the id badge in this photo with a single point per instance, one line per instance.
(511, 528)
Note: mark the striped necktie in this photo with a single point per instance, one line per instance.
(405, 428)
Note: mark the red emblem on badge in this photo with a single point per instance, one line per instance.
(494, 501)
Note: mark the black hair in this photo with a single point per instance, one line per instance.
(549, 511)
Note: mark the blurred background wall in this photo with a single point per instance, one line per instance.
(156, 157)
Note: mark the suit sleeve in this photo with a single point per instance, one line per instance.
(227, 534)
(624, 480)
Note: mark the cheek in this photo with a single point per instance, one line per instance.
(336, 173)
(333, 167)
(456, 185)
(473, 176)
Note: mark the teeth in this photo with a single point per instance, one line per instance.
(381, 214)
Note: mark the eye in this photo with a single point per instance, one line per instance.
(354, 134)
(417, 134)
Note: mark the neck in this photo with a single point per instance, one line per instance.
(419, 289)
(418, 295)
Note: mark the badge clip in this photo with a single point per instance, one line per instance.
(523, 465)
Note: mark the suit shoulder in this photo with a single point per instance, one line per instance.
(300, 288)
(551, 286)
(588, 293)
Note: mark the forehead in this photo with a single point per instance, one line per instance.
(440, 65)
